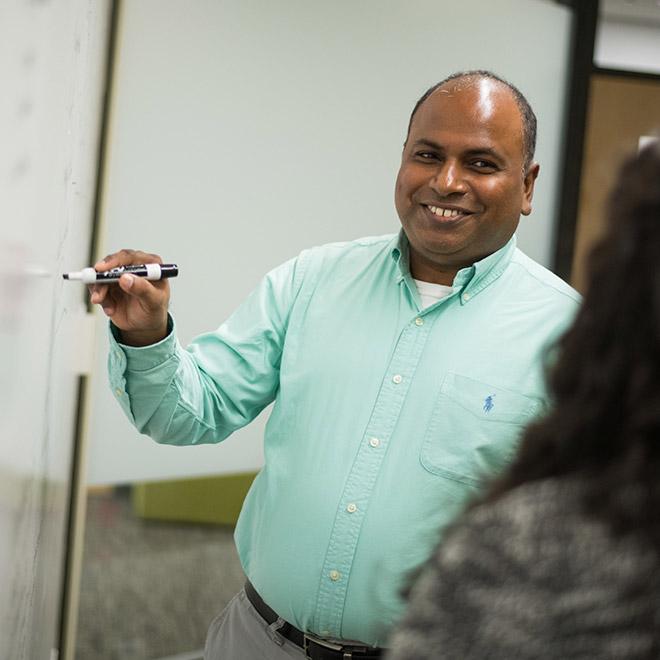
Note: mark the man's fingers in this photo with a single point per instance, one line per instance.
(122, 258)
(127, 257)
(102, 295)
(108, 308)
(97, 293)
(150, 293)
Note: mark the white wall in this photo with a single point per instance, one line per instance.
(244, 131)
(51, 67)
(628, 46)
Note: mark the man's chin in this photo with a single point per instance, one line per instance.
(442, 251)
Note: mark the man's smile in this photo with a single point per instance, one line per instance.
(448, 213)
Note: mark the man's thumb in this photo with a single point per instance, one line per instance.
(139, 287)
(126, 282)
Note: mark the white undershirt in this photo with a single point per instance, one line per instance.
(430, 293)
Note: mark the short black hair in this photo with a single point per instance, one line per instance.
(526, 113)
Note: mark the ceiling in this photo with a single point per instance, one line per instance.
(637, 11)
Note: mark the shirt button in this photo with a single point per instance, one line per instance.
(466, 297)
(397, 379)
(119, 392)
(419, 321)
(351, 508)
(374, 442)
(334, 575)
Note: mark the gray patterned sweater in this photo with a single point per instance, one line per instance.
(530, 576)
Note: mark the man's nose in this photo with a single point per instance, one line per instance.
(448, 179)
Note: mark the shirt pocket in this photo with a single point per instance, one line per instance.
(474, 429)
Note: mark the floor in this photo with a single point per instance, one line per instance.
(150, 589)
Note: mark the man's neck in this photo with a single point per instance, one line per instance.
(425, 271)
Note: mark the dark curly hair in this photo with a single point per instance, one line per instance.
(604, 378)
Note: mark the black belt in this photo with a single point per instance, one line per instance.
(314, 647)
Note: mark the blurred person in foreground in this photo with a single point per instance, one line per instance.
(562, 557)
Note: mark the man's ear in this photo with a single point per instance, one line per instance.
(528, 188)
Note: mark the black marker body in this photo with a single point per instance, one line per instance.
(112, 275)
(148, 271)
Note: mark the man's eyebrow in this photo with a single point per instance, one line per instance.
(474, 151)
(423, 142)
(484, 151)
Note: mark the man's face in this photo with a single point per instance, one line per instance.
(461, 187)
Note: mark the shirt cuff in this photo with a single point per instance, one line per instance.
(143, 358)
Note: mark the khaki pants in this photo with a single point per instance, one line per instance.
(239, 633)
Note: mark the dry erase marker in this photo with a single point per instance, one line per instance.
(148, 271)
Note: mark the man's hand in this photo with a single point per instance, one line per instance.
(137, 306)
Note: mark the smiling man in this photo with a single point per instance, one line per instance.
(401, 368)
(466, 174)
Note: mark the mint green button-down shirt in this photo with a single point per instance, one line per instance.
(386, 416)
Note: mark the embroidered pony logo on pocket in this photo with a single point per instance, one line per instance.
(489, 404)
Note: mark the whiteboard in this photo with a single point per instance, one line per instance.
(245, 131)
(51, 67)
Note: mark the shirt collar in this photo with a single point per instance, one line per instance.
(470, 280)
(401, 256)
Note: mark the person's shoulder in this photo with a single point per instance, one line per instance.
(549, 516)
(340, 251)
(546, 526)
(311, 261)
(323, 261)
(373, 243)
(543, 280)
(534, 524)
(518, 509)
(544, 497)
(549, 565)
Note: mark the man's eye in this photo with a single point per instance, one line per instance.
(483, 164)
(426, 155)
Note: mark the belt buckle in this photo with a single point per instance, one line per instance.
(323, 643)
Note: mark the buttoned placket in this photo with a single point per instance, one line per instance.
(364, 472)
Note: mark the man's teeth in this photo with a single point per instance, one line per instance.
(443, 213)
